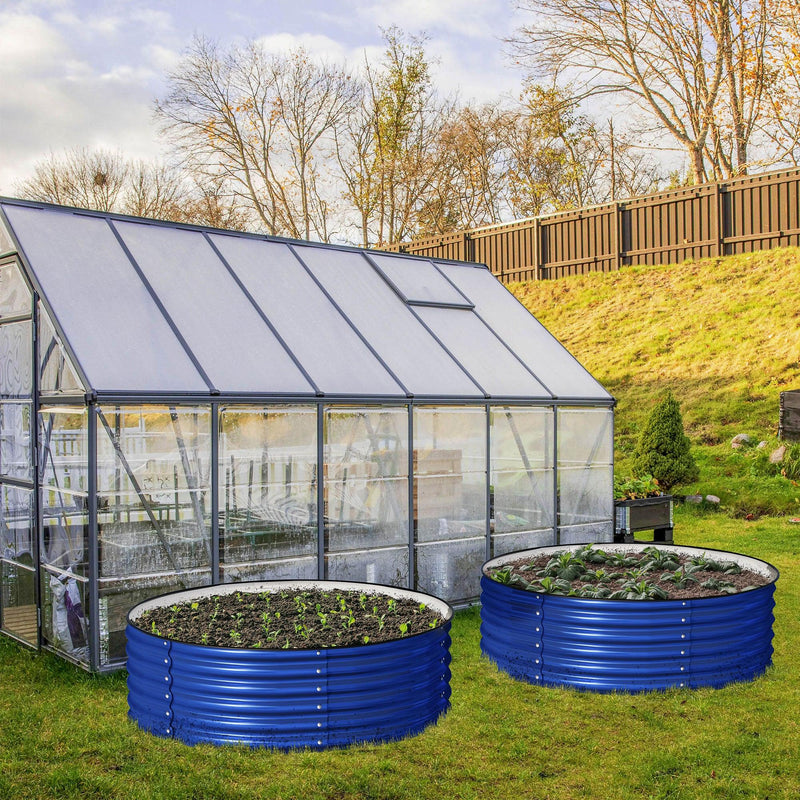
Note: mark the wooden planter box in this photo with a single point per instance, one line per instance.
(644, 514)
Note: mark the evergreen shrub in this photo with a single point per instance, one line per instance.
(664, 450)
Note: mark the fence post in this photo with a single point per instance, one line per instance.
(538, 270)
(617, 227)
(716, 218)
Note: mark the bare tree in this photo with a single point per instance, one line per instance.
(781, 126)
(156, 191)
(696, 66)
(78, 177)
(312, 100)
(389, 152)
(470, 187)
(265, 124)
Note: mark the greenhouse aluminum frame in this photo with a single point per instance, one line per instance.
(183, 406)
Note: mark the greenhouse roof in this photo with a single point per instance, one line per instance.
(147, 308)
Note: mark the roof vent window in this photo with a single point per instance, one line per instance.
(419, 283)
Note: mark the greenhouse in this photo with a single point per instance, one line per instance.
(182, 406)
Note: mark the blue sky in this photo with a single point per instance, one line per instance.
(80, 73)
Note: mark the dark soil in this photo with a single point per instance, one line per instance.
(639, 568)
(290, 620)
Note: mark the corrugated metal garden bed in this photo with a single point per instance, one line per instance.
(375, 668)
(627, 639)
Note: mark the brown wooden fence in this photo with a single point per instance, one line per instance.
(756, 212)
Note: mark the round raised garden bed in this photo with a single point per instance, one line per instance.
(628, 645)
(315, 697)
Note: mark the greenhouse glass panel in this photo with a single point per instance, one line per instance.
(57, 376)
(195, 287)
(585, 475)
(522, 478)
(387, 323)
(546, 357)
(483, 355)
(64, 533)
(6, 242)
(18, 615)
(268, 492)
(153, 519)
(450, 503)
(15, 440)
(366, 494)
(16, 359)
(418, 281)
(105, 311)
(337, 360)
(15, 297)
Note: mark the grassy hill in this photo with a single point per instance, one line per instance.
(723, 334)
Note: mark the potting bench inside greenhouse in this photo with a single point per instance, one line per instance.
(182, 406)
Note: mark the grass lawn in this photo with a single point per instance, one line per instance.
(65, 734)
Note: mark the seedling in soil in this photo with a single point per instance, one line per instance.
(680, 578)
(566, 566)
(719, 586)
(639, 591)
(591, 555)
(656, 559)
(600, 576)
(550, 585)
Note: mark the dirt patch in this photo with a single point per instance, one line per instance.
(290, 619)
(649, 574)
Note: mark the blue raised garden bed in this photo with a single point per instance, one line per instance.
(288, 698)
(628, 645)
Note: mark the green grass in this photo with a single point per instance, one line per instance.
(722, 334)
(65, 734)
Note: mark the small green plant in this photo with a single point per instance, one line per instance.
(641, 590)
(598, 592)
(658, 559)
(589, 554)
(403, 628)
(679, 578)
(718, 585)
(707, 564)
(551, 585)
(566, 566)
(600, 576)
(629, 488)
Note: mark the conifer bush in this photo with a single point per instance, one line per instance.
(664, 450)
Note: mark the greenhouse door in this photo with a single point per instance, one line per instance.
(18, 612)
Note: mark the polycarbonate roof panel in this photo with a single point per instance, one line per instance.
(418, 281)
(387, 323)
(111, 322)
(329, 349)
(223, 329)
(483, 355)
(544, 355)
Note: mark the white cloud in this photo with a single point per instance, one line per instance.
(315, 44)
(52, 98)
(470, 18)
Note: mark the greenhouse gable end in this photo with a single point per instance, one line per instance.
(183, 406)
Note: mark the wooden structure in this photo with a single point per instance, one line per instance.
(757, 212)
